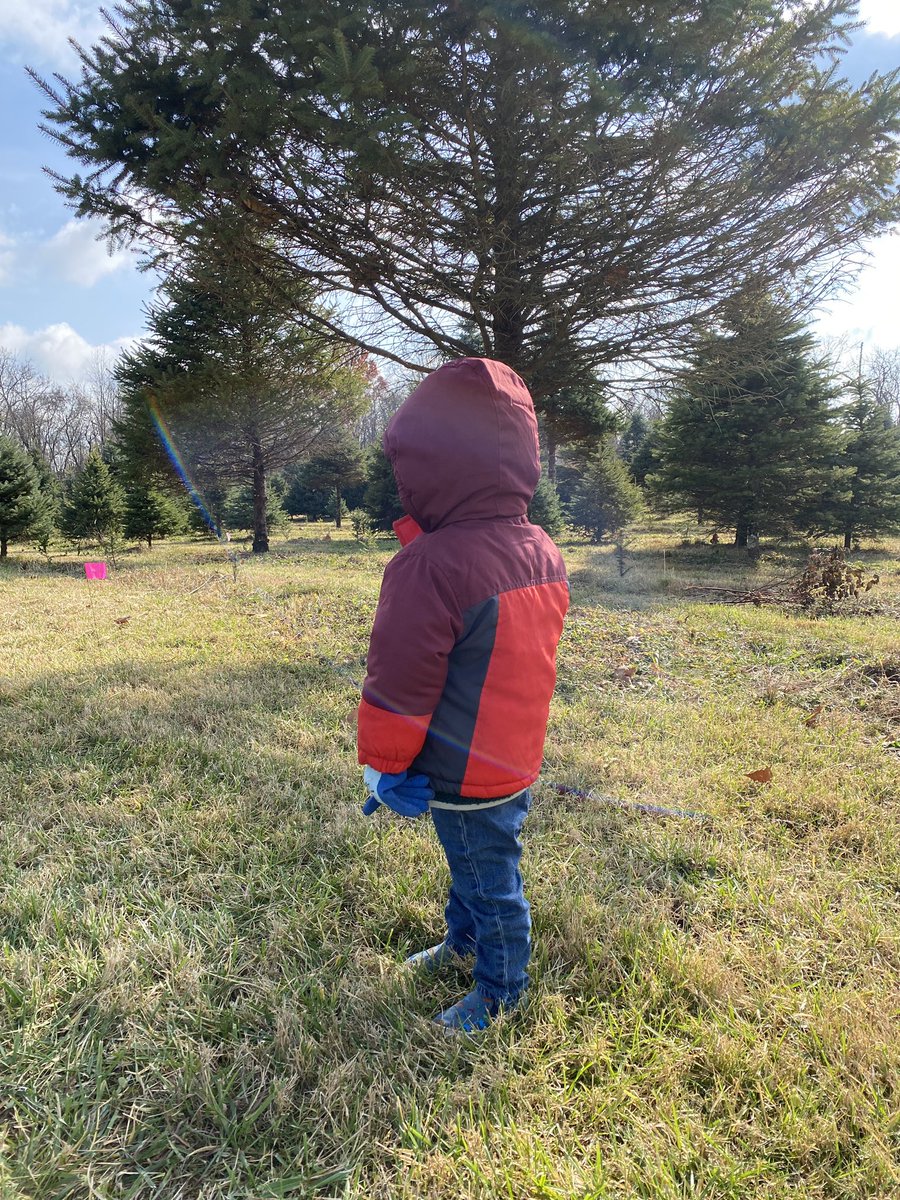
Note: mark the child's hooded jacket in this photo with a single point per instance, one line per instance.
(462, 659)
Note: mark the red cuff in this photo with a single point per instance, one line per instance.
(389, 741)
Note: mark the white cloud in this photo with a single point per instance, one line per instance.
(881, 16)
(39, 30)
(79, 254)
(58, 351)
(7, 258)
(869, 312)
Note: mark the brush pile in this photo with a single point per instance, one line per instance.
(826, 582)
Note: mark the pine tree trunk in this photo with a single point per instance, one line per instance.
(3, 543)
(337, 507)
(260, 527)
(741, 533)
(848, 539)
(551, 457)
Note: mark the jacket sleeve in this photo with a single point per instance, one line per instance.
(416, 626)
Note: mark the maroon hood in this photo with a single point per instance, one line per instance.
(464, 445)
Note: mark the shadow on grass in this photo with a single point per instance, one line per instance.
(197, 927)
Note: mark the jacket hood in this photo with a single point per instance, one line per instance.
(464, 445)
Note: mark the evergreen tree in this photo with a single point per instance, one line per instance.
(646, 458)
(303, 500)
(94, 504)
(587, 181)
(152, 513)
(230, 380)
(18, 493)
(45, 506)
(238, 511)
(44, 520)
(870, 503)
(604, 500)
(750, 440)
(381, 499)
(573, 417)
(336, 469)
(632, 438)
(636, 446)
(546, 509)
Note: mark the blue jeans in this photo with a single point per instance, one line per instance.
(487, 913)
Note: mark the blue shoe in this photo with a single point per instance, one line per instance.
(469, 1015)
(435, 958)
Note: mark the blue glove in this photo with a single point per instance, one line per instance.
(406, 794)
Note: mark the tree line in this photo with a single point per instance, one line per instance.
(759, 435)
(586, 191)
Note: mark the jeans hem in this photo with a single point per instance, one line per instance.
(506, 999)
(459, 951)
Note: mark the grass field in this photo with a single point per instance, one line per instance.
(201, 985)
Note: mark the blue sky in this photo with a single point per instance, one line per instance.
(63, 296)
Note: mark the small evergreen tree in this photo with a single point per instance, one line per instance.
(337, 469)
(381, 499)
(870, 505)
(605, 499)
(645, 459)
(151, 513)
(363, 525)
(546, 509)
(45, 506)
(633, 438)
(45, 516)
(301, 500)
(575, 416)
(18, 493)
(636, 447)
(750, 439)
(238, 511)
(94, 504)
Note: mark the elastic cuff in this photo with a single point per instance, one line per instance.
(387, 766)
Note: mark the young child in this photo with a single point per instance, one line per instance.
(462, 660)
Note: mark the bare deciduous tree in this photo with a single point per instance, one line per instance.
(60, 424)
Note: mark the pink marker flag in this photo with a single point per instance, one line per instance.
(95, 570)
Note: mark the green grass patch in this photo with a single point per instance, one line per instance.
(202, 994)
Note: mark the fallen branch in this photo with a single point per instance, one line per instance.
(653, 810)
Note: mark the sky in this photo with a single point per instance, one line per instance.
(64, 295)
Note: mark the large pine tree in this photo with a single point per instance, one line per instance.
(584, 181)
(751, 440)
